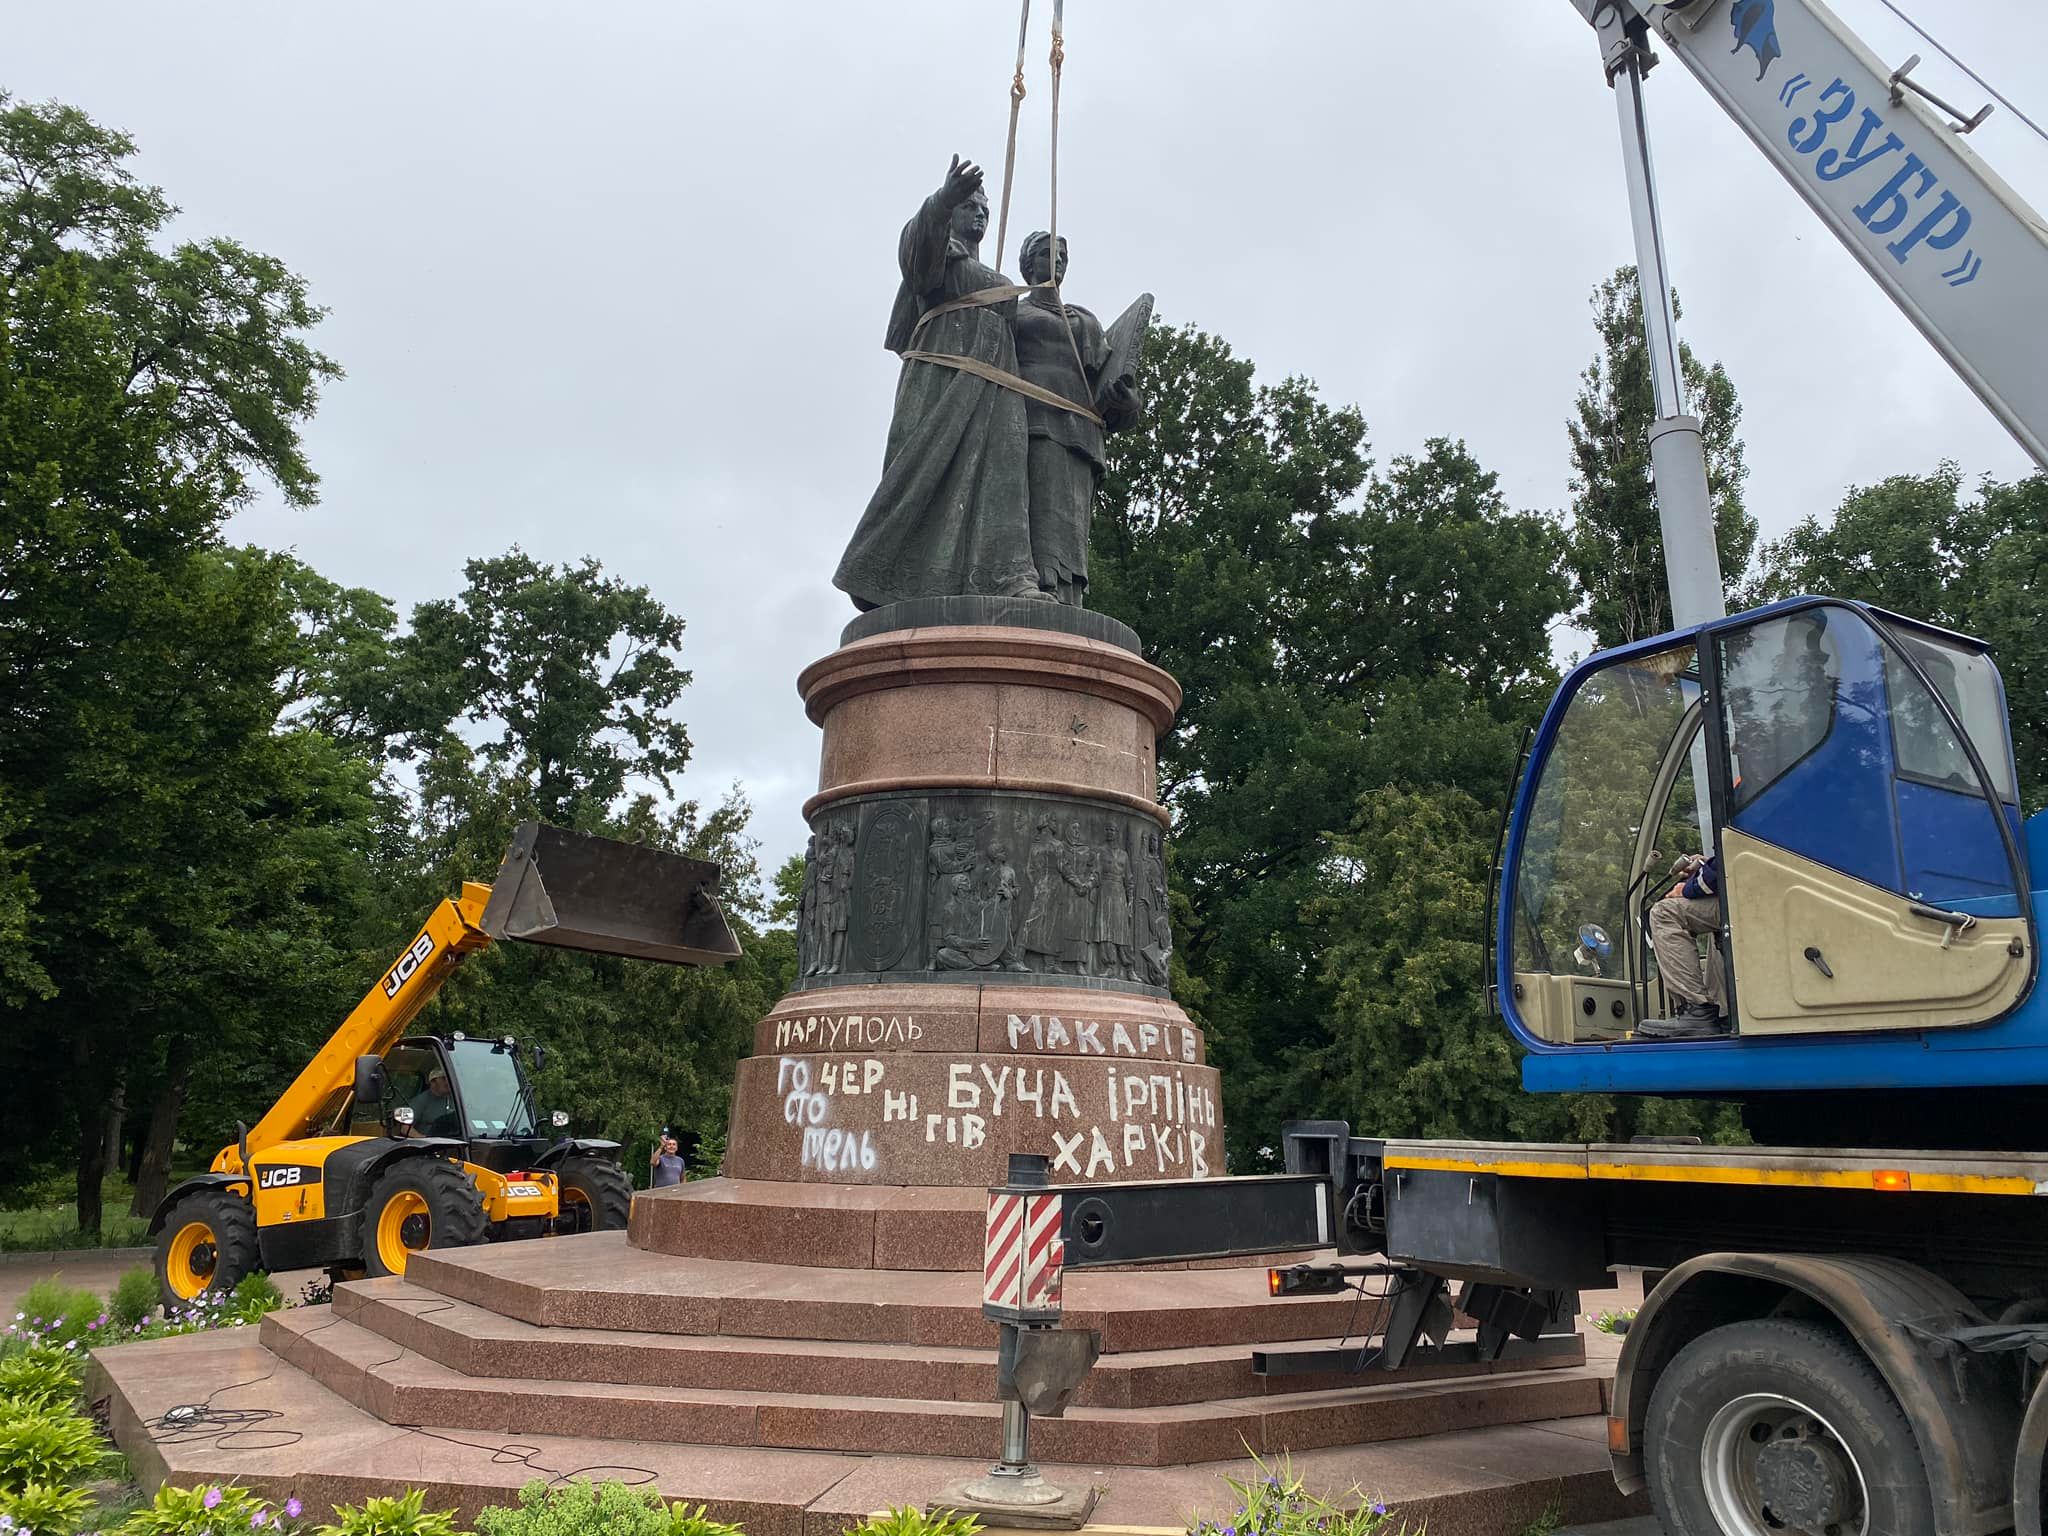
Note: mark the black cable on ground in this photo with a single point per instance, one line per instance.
(206, 1423)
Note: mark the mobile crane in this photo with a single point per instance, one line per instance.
(386, 1143)
(1835, 1340)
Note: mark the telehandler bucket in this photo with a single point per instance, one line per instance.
(576, 891)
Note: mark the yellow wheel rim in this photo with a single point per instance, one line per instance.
(194, 1254)
(403, 1227)
(576, 1206)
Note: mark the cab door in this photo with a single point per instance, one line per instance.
(1870, 878)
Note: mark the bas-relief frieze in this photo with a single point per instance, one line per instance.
(1016, 884)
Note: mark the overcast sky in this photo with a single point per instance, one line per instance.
(611, 279)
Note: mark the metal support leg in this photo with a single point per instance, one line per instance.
(1013, 1480)
(1038, 1363)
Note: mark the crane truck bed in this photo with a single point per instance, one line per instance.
(1887, 1302)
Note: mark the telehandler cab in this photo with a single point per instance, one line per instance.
(386, 1144)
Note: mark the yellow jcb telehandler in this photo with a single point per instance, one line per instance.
(387, 1143)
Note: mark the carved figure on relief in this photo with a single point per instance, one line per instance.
(978, 919)
(835, 897)
(1155, 930)
(950, 853)
(1114, 915)
(1080, 874)
(884, 891)
(1039, 933)
(809, 950)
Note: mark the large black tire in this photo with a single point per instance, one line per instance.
(596, 1195)
(207, 1243)
(420, 1202)
(1773, 1428)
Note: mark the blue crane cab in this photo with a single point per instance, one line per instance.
(1852, 771)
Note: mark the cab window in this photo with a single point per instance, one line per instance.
(420, 1082)
(1809, 752)
(1778, 688)
(1927, 745)
(1576, 858)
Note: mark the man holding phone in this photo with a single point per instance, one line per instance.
(666, 1161)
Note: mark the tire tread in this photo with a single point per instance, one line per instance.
(605, 1184)
(1845, 1362)
(233, 1221)
(454, 1206)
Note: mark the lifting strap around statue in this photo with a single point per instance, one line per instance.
(1010, 148)
(1008, 380)
(978, 299)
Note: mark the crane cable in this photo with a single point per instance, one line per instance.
(1929, 38)
(1010, 148)
(1052, 218)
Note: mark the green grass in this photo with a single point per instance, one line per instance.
(56, 1228)
(47, 1220)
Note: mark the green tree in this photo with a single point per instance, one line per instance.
(144, 388)
(1922, 545)
(572, 675)
(1304, 604)
(211, 860)
(556, 691)
(1617, 544)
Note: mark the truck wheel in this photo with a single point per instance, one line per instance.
(420, 1202)
(596, 1195)
(208, 1242)
(1780, 1428)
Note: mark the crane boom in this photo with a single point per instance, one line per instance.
(1957, 249)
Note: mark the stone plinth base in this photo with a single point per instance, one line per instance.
(822, 1226)
(833, 1226)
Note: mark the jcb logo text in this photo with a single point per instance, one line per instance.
(409, 962)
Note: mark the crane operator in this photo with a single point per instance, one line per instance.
(1699, 993)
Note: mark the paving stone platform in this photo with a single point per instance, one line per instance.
(798, 1398)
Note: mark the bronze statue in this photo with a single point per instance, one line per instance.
(995, 444)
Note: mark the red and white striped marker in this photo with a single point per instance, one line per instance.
(1025, 1255)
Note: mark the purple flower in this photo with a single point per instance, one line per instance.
(257, 1519)
(292, 1508)
(1378, 1508)
(212, 1499)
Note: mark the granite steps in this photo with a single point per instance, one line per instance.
(314, 1444)
(475, 1341)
